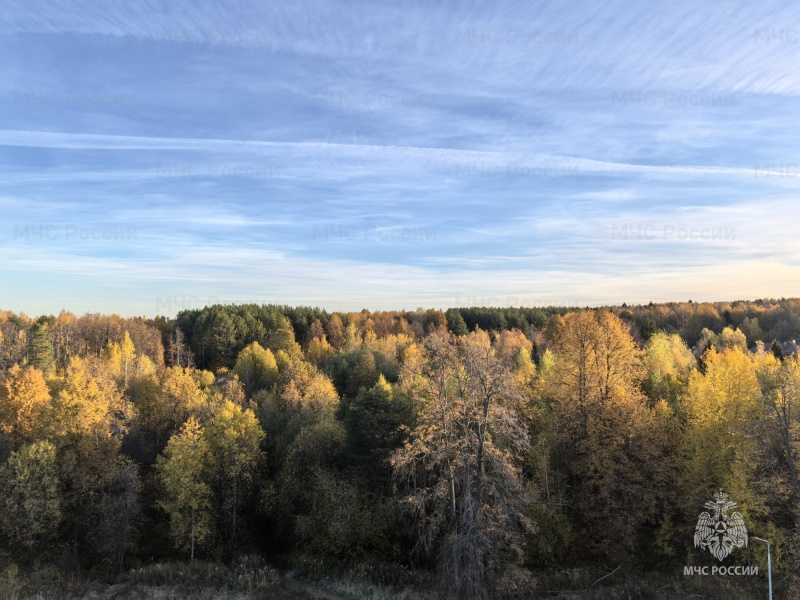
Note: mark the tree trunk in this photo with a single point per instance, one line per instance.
(233, 521)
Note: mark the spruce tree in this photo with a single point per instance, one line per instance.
(40, 349)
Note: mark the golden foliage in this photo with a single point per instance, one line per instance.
(24, 398)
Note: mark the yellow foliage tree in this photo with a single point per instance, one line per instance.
(182, 396)
(187, 494)
(256, 368)
(87, 420)
(668, 362)
(234, 437)
(121, 358)
(318, 350)
(720, 407)
(599, 414)
(24, 397)
(89, 404)
(304, 387)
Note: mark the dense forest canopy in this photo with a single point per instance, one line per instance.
(483, 444)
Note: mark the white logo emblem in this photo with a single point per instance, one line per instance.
(720, 533)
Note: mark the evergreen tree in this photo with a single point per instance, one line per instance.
(648, 328)
(455, 322)
(40, 349)
(777, 349)
(373, 424)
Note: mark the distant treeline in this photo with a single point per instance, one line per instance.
(216, 334)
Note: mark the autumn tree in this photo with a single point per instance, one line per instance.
(720, 407)
(336, 332)
(87, 420)
(730, 338)
(778, 458)
(13, 341)
(187, 493)
(461, 463)
(668, 363)
(121, 357)
(178, 351)
(24, 397)
(303, 396)
(256, 368)
(507, 345)
(165, 407)
(234, 437)
(318, 350)
(65, 339)
(316, 331)
(600, 415)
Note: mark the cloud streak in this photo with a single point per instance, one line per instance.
(465, 161)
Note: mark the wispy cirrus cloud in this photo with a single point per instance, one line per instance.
(466, 162)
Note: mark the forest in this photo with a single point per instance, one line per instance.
(463, 453)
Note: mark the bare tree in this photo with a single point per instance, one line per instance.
(178, 350)
(460, 467)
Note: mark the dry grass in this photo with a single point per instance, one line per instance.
(315, 579)
(372, 580)
(249, 579)
(578, 583)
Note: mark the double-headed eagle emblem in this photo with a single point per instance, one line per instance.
(720, 533)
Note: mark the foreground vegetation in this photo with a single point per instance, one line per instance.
(469, 453)
(250, 579)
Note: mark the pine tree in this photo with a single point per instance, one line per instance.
(40, 349)
(455, 322)
(374, 429)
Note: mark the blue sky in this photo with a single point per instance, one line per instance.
(157, 156)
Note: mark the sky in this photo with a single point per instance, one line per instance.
(162, 156)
